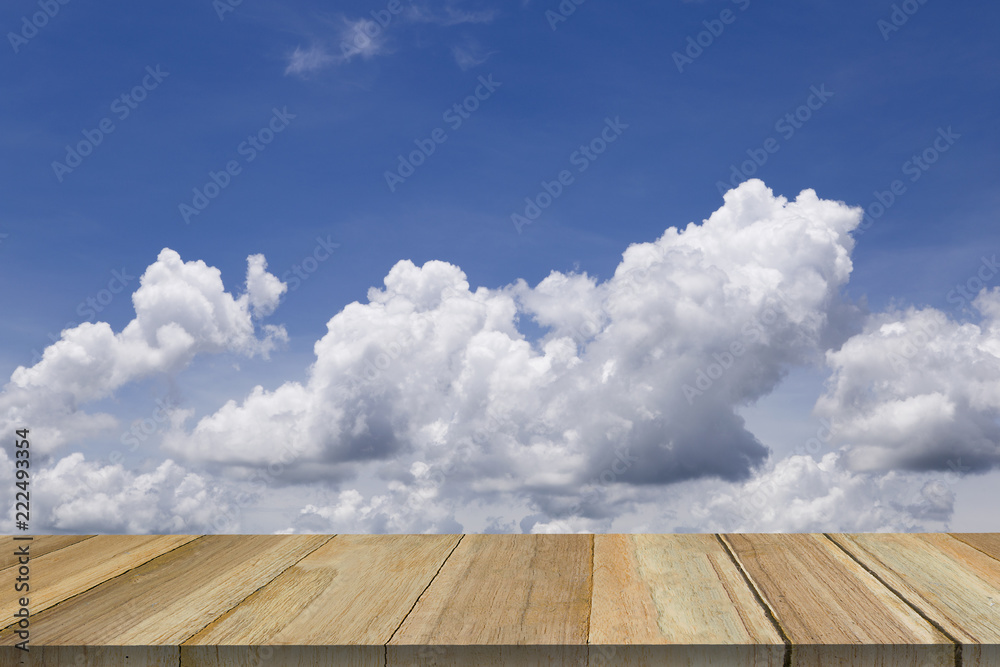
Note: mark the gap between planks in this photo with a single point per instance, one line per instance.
(290, 565)
(920, 612)
(120, 574)
(786, 660)
(385, 647)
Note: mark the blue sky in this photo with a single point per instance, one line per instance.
(346, 118)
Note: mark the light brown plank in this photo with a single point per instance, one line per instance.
(988, 543)
(951, 582)
(38, 546)
(504, 590)
(355, 589)
(173, 596)
(832, 610)
(680, 590)
(61, 574)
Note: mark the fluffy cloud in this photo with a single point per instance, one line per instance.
(80, 496)
(181, 310)
(799, 494)
(646, 367)
(918, 390)
(428, 400)
(411, 506)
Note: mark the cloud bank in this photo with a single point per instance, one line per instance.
(428, 400)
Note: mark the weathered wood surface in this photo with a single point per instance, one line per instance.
(830, 608)
(40, 546)
(679, 590)
(946, 578)
(366, 600)
(59, 575)
(503, 590)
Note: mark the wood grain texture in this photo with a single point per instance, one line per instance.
(988, 543)
(833, 611)
(63, 573)
(173, 596)
(682, 590)
(436, 600)
(38, 546)
(950, 581)
(355, 589)
(504, 591)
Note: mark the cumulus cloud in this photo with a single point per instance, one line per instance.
(413, 505)
(800, 494)
(181, 310)
(918, 390)
(432, 371)
(630, 397)
(81, 496)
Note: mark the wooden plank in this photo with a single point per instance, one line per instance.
(172, 597)
(355, 589)
(679, 590)
(90, 656)
(38, 546)
(280, 656)
(61, 574)
(833, 611)
(988, 543)
(500, 593)
(951, 582)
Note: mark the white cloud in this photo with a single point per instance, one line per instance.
(80, 496)
(469, 54)
(799, 494)
(181, 310)
(432, 370)
(918, 390)
(411, 506)
(264, 290)
(427, 400)
(303, 61)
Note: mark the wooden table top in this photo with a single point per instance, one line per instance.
(379, 600)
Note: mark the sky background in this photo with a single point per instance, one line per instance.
(467, 394)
